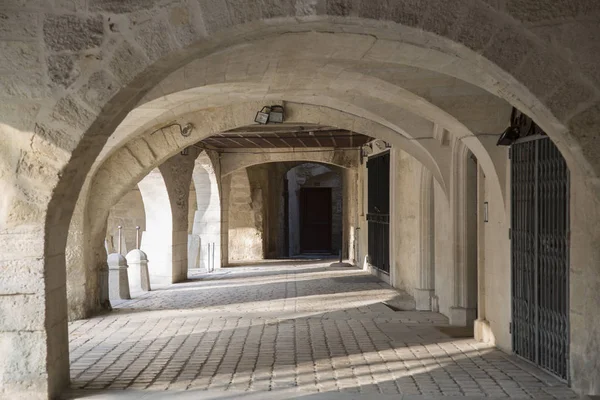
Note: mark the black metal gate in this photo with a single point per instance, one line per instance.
(540, 245)
(378, 215)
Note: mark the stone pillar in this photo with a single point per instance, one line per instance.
(118, 281)
(464, 214)
(426, 290)
(139, 278)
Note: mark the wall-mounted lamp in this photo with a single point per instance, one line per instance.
(508, 136)
(485, 212)
(270, 114)
(184, 130)
(382, 144)
(187, 129)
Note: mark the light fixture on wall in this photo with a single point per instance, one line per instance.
(382, 144)
(184, 130)
(270, 114)
(508, 136)
(187, 129)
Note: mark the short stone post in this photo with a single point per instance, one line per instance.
(118, 281)
(139, 278)
(138, 270)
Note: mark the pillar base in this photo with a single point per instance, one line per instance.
(423, 299)
(460, 316)
(483, 331)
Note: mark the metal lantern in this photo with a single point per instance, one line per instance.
(276, 115)
(262, 117)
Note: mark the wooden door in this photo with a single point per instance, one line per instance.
(315, 220)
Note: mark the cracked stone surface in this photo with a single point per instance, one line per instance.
(288, 329)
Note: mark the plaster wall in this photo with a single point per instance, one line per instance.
(128, 213)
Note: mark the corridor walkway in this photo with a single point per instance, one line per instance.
(297, 329)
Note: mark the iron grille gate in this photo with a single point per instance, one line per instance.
(378, 215)
(540, 243)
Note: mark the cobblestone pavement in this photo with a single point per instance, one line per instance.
(294, 329)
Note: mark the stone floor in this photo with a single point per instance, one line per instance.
(295, 329)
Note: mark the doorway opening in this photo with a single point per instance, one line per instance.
(315, 220)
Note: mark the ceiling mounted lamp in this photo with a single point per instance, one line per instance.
(270, 114)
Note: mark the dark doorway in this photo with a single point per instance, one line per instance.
(315, 220)
(378, 216)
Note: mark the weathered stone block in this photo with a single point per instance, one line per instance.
(477, 27)
(119, 6)
(215, 15)
(536, 10)
(277, 8)
(19, 25)
(30, 315)
(19, 56)
(566, 99)
(23, 362)
(341, 8)
(99, 89)
(30, 84)
(407, 12)
(63, 70)
(70, 111)
(443, 17)
(374, 9)
(542, 73)
(127, 62)
(243, 11)
(154, 38)
(73, 33)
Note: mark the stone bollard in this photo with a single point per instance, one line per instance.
(118, 281)
(139, 277)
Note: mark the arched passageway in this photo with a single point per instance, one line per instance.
(419, 77)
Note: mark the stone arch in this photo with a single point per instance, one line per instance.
(232, 162)
(208, 216)
(167, 38)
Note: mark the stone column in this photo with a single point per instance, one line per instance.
(464, 215)
(426, 290)
(118, 281)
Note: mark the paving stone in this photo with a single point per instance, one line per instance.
(247, 331)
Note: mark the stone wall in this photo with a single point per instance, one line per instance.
(70, 76)
(245, 219)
